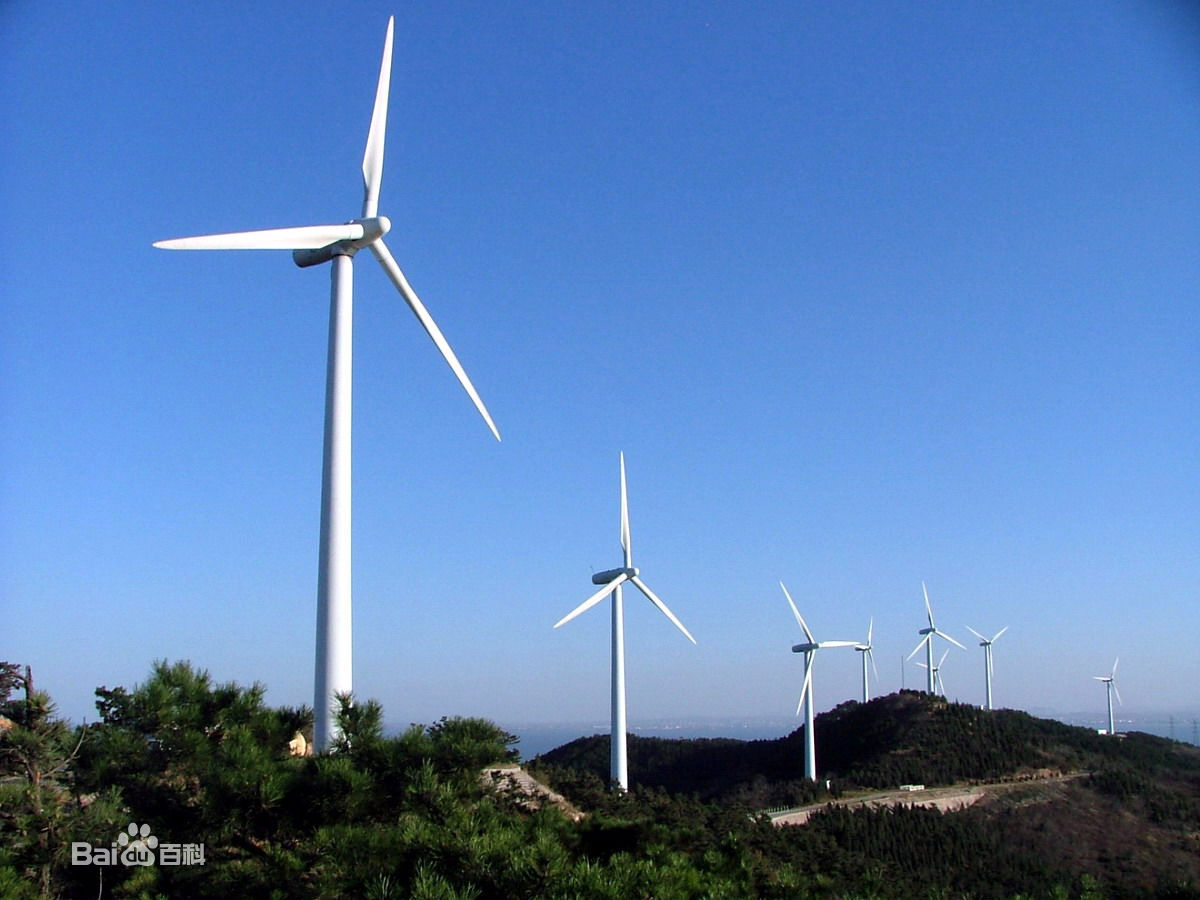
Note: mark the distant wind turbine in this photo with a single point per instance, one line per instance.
(1110, 683)
(310, 246)
(986, 644)
(868, 652)
(809, 649)
(612, 581)
(928, 634)
(936, 673)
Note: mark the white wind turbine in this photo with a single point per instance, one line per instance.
(938, 686)
(928, 635)
(1110, 682)
(809, 649)
(986, 644)
(868, 652)
(612, 581)
(312, 245)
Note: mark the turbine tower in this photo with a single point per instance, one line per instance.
(868, 652)
(337, 244)
(1110, 682)
(986, 644)
(809, 649)
(928, 634)
(612, 580)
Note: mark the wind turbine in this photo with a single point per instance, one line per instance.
(936, 673)
(868, 652)
(927, 642)
(612, 580)
(986, 644)
(337, 244)
(809, 649)
(1110, 682)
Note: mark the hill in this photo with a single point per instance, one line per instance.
(1127, 826)
(438, 812)
(906, 737)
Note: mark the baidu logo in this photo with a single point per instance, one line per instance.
(136, 846)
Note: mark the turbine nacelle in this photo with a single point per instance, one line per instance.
(818, 645)
(372, 228)
(610, 575)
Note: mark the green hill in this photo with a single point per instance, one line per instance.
(206, 765)
(1128, 824)
(907, 737)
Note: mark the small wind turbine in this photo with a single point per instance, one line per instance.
(310, 246)
(928, 635)
(612, 581)
(868, 652)
(936, 673)
(986, 644)
(809, 649)
(1110, 682)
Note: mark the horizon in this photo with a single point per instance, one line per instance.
(868, 297)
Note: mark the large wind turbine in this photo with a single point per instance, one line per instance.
(337, 244)
(868, 652)
(986, 644)
(809, 649)
(612, 581)
(928, 635)
(1110, 682)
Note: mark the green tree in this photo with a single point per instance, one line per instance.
(41, 810)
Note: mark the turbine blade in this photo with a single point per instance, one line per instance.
(1114, 668)
(810, 660)
(626, 538)
(943, 634)
(1118, 693)
(943, 659)
(372, 166)
(662, 607)
(870, 630)
(928, 608)
(393, 271)
(974, 632)
(1000, 632)
(871, 653)
(796, 612)
(592, 600)
(924, 640)
(306, 237)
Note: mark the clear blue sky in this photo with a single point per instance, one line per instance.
(868, 294)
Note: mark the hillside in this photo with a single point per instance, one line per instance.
(1127, 826)
(906, 737)
(438, 812)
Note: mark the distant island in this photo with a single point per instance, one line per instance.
(187, 788)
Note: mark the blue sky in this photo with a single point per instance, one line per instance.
(868, 294)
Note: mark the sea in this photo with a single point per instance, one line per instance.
(541, 737)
